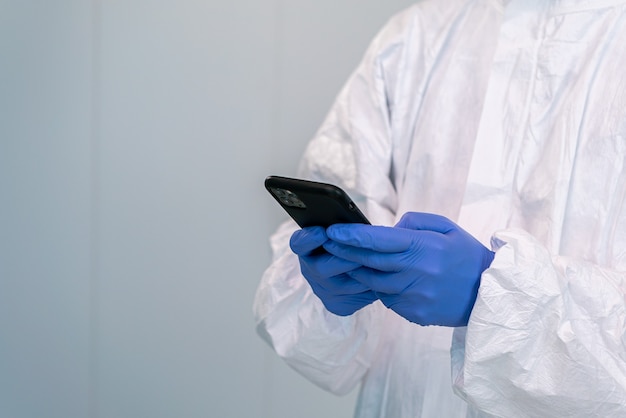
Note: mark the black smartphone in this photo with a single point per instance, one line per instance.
(311, 203)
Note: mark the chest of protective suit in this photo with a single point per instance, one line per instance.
(535, 139)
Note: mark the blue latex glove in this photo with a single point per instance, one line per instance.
(326, 273)
(426, 268)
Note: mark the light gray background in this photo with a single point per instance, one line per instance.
(134, 139)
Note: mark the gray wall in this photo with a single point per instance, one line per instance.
(134, 139)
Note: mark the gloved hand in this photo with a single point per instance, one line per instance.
(426, 268)
(326, 273)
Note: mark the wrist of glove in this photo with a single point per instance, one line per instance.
(426, 268)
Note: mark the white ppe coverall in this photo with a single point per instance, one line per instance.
(510, 119)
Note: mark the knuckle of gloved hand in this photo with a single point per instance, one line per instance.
(296, 243)
(442, 223)
(405, 219)
(435, 266)
(443, 220)
(334, 306)
(422, 315)
(409, 310)
(307, 239)
(365, 239)
(408, 215)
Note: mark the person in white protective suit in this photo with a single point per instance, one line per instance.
(506, 120)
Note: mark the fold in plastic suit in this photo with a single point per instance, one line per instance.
(508, 118)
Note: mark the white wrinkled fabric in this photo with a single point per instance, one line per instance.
(508, 117)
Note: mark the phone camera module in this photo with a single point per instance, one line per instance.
(288, 198)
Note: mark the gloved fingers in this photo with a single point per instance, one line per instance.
(344, 306)
(377, 238)
(304, 241)
(427, 222)
(341, 284)
(389, 262)
(380, 281)
(424, 310)
(325, 265)
(419, 308)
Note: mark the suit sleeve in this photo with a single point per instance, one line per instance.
(352, 149)
(546, 337)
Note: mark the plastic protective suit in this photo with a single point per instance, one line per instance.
(510, 119)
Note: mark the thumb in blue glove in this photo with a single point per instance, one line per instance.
(327, 274)
(426, 268)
